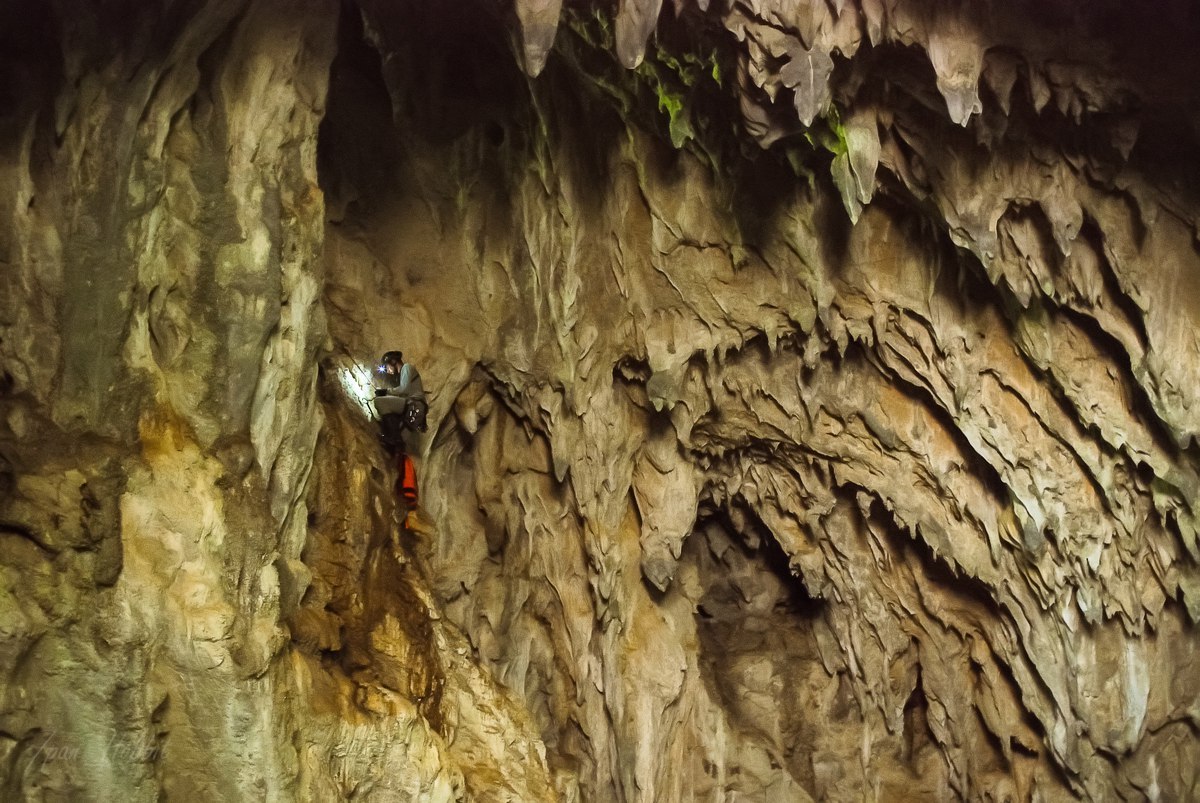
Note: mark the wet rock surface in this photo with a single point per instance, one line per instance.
(813, 401)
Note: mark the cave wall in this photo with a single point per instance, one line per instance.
(812, 416)
(161, 316)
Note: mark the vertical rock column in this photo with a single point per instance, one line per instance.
(158, 334)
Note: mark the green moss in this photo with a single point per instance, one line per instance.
(828, 133)
(592, 27)
(677, 76)
(797, 159)
(682, 91)
(672, 99)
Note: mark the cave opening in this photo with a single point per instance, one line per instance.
(357, 141)
(443, 76)
(757, 646)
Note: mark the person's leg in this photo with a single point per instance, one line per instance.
(400, 487)
(392, 427)
(408, 481)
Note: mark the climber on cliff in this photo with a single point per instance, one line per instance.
(399, 399)
(400, 402)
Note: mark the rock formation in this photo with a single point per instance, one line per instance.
(814, 414)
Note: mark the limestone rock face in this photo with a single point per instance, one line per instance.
(814, 394)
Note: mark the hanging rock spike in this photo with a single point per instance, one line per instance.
(538, 21)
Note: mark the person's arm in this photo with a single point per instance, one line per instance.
(378, 383)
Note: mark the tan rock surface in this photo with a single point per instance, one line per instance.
(813, 404)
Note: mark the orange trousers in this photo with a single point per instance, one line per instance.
(406, 480)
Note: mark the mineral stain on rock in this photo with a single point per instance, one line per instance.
(814, 392)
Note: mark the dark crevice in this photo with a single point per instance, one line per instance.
(1140, 406)
(356, 142)
(1091, 233)
(735, 554)
(917, 734)
(911, 548)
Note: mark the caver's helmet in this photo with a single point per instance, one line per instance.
(390, 363)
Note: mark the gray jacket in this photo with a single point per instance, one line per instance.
(404, 385)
